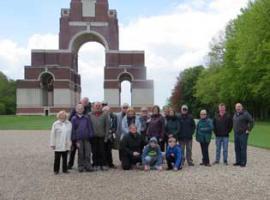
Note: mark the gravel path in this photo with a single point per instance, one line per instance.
(26, 173)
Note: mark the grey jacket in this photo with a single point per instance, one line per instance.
(101, 124)
(242, 122)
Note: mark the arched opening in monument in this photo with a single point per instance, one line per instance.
(47, 86)
(91, 63)
(125, 88)
(125, 92)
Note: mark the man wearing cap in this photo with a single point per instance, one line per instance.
(185, 137)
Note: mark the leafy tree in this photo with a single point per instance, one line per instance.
(7, 95)
(183, 92)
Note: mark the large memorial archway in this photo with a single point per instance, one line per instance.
(84, 21)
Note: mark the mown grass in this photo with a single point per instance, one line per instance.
(26, 122)
(259, 136)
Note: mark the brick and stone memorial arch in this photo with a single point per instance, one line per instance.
(52, 83)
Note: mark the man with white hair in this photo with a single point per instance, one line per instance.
(101, 127)
(242, 125)
(87, 108)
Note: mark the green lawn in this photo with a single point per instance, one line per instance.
(26, 122)
(259, 137)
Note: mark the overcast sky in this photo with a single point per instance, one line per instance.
(175, 34)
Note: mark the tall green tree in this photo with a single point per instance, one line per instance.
(7, 95)
(183, 92)
(239, 67)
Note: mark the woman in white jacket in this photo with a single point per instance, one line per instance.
(60, 141)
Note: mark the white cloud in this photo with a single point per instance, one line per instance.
(179, 39)
(172, 42)
(13, 58)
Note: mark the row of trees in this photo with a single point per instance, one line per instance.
(238, 69)
(7, 95)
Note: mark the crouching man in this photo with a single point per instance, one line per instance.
(131, 148)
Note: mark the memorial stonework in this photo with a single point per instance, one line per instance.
(52, 82)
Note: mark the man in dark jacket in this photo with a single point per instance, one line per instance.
(222, 127)
(187, 128)
(87, 108)
(242, 125)
(131, 148)
(111, 136)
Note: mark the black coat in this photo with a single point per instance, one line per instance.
(222, 125)
(187, 127)
(242, 122)
(131, 143)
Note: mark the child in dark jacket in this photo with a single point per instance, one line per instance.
(174, 155)
(152, 155)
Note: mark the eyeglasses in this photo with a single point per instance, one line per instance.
(125, 107)
(171, 141)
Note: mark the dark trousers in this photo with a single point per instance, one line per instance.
(57, 158)
(205, 152)
(98, 150)
(108, 152)
(84, 155)
(186, 147)
(170, 161)
(72, 154)
(128, 161)
(240, 145)
(162, 145)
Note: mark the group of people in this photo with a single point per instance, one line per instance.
(145, 140)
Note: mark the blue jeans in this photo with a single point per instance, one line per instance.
(152, 162)
(222, 142)
(240, 145)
